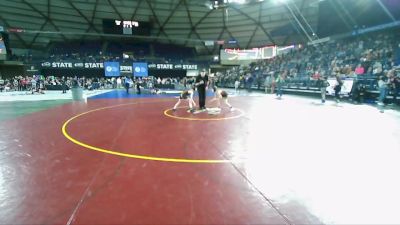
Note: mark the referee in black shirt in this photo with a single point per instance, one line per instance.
(201, 84)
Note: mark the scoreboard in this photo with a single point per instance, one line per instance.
(126, 27)
(243, 56)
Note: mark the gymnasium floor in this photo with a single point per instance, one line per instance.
(119, 159)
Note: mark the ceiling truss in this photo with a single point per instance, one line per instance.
(190, 20)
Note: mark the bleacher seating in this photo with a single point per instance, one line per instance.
(376, 53)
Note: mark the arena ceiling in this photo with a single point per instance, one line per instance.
(187, 22)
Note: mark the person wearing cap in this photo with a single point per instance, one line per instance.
(202, 84)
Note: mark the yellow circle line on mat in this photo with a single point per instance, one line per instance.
(112, 152)
(215, 119)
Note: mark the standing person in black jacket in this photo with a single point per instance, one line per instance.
(338, 88)
(64, 85)
(202, 84)
(138, 86)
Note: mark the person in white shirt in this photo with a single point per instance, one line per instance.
(119, 82)
(1, 84)
(268, 83)
(237, 83)
(33, 85)
(113, 83)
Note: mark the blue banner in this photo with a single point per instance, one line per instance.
(140, 70)
(111, 69)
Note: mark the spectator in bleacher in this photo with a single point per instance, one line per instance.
(347, 70)
(359, 69)
(358, 92)
(316, 75)
(377, 68)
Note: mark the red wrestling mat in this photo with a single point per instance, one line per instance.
(48, 179)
